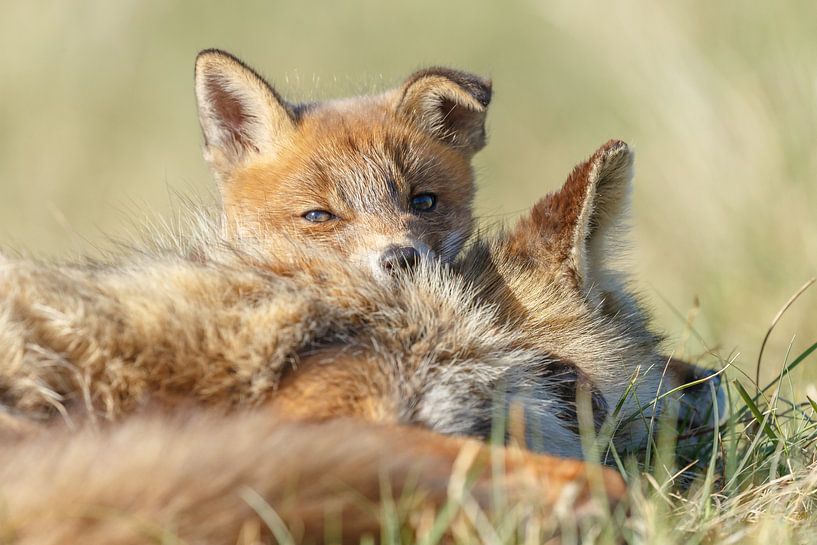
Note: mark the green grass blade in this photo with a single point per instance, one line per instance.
(758, 415)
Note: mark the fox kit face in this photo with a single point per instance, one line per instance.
(383, 180)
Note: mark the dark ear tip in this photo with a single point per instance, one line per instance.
(209, 58)
(480, 88)
(614, 151)
(615, 147)
(212, 51)
(210, 54)
(477, 86)
(485, 92)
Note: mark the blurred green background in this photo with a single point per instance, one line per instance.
(718, 99)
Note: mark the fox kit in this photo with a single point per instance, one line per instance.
(384, 180)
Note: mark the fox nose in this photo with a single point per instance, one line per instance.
(399, 258)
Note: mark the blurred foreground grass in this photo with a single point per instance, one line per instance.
(719, 100)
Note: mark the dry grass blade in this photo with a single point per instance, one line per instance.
(776, 319)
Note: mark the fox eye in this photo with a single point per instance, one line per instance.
(424, 202)
(318, 216)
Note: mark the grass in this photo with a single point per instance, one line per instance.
(718, 99)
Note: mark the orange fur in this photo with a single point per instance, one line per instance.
(209, 479)
(183, 367)
(332, 383)
(360, 161)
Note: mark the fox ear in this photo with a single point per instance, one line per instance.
(578, 224)
(449, 104)
(240, 114)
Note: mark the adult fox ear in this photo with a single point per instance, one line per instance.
(241, 115)
(449, 104)
(578, 228)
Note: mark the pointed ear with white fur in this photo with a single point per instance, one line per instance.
(579, 227)
(241, 115)
(449, 104)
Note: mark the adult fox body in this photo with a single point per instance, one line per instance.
(254, 316)
(197, 323)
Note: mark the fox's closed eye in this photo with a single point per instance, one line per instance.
(424, 202)
(318, 216)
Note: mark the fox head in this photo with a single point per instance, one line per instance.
(559, 276)
(384, 180)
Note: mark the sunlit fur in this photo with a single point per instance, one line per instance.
(361, 159)
(532, 324)
(201, 319)
(212, 479)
